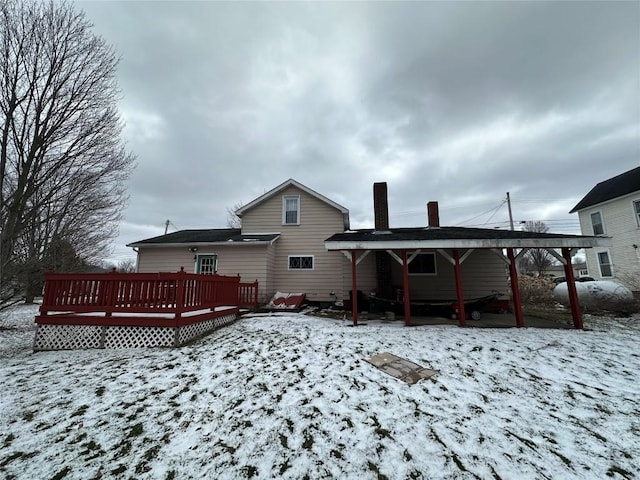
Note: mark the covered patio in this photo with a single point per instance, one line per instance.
(456, 245)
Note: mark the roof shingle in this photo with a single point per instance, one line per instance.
(615, 187)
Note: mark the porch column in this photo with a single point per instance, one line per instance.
(354, 288)
(405, 290)
(462, 316)
(515, 288)
(576, 313)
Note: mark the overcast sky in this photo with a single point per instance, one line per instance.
(457, 102)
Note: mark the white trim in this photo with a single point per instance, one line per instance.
(635, 214)
(200, 244)
(559, 257)
(359, 259)
(290, 183)
(598, 252)
(197, 261)
(284, 210)
(579, 242)
(301, 255)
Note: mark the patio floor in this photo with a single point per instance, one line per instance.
(488, 320)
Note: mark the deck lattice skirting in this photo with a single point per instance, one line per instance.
(68, 337)
(115, 310)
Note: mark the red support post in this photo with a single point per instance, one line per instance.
(354, 288)
(462, 315)
(180, 295)
(515, 288)
(576, 312)
(406, 298)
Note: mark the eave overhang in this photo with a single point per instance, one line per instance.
(225, 243)
(572, 242)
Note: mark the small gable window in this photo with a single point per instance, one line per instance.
(596, 223)
(301, 262)
(291, 210)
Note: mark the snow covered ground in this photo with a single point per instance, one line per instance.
(291, 396)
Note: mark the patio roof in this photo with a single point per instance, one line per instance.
(457, 237)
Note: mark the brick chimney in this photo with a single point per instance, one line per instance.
(433, 217)
(380, 206)
(384, 284)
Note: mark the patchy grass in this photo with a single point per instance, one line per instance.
(291, 397)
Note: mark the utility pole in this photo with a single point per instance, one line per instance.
(166, 224)
(510, 214)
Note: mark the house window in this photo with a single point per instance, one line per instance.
(207, 264)
(423, 264)
(605, 264)
(636, 210)
(596, 223)
(291, 210)
(300, 262)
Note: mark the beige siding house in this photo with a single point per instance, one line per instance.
(303, 219)
(294, 240)
(280, 244)
(612, 209)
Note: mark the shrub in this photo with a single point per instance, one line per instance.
(536, 291)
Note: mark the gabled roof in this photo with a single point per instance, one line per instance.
(457, 237)
(227, 236)
(289, 183)
(615, 187)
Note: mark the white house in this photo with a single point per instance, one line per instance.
(612, 209)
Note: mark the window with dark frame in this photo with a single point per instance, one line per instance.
(423, 264)
(605, 264)
(596, 223)
(636, 209)
(291, 210)
(301, 262)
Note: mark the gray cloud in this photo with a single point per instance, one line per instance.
(458, 102)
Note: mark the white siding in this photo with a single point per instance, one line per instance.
(620, 224)
(318, 221)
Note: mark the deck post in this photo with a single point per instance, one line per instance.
(515, 288)
(462, 315)
(406, 299)
(576, 313)
(354, 288)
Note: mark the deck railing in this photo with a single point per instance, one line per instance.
(114, 293)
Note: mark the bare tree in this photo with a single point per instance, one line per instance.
(233, 221)
(63, 164)
(126, 266)
(536, 260)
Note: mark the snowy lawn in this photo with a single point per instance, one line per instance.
(292, 397)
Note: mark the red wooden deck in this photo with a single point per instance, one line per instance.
(141, 299)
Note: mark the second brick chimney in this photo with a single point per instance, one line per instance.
(433, 216)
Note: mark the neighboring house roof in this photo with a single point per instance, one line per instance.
(457, 237)
(225, 236)
(289, 183)
(610, 189)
